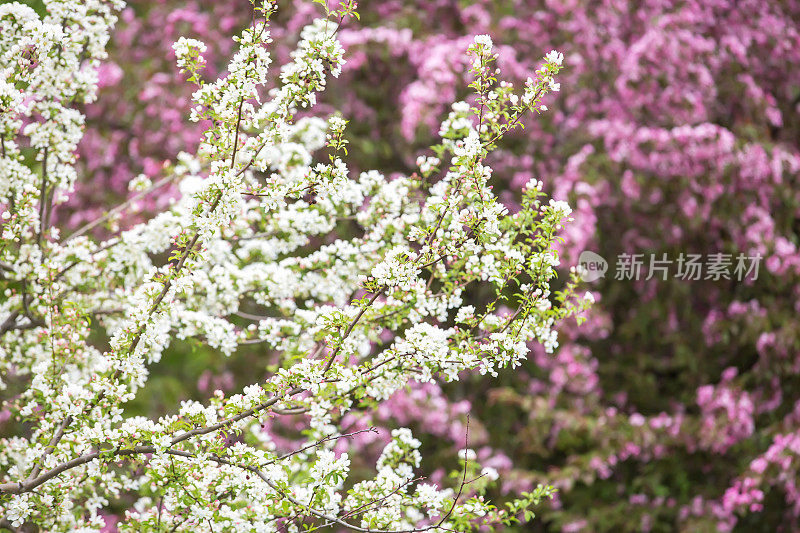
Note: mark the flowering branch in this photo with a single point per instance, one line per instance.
(255, 224)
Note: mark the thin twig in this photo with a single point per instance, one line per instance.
(91, 225)
(350, 328)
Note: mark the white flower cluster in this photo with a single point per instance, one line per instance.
(429, 346)
(483, 41)
(427, 164)
(554, 57)
(561, 208)
(397, 269)
(188, 51)
(392, 487)
(544, 81)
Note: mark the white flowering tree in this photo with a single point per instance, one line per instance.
(360, 281)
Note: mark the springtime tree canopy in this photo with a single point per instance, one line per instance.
(360, 278)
